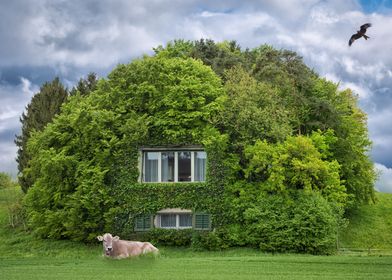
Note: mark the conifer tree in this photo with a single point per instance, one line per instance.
(85, 86)
(39, 112)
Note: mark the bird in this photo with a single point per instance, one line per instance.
(360, 33)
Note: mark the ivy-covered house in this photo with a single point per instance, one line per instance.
(204, 144)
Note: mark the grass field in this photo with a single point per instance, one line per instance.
(370, 226)
(24, 257)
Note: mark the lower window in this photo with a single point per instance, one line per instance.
(177, 221)
(198, 221)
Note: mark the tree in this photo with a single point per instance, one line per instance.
(252, 110)
(296, 164)
(43, 107)
(85, 86)
(352, 150)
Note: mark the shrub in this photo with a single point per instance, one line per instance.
(170, 237)
(304, 223)
(5, 181)
(13, 202)
(208, 240)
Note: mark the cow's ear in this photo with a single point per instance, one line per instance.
(116, 238)
(100, 238)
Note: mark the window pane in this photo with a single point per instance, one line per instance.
(200, 166)
(184, 166)
(168, 220)
(185, 220)
(151, 166)
(167, 168)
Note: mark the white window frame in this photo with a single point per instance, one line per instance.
(142, 165)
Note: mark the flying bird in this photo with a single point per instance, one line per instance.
(360, 33)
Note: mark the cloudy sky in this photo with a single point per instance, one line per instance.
(42, 39)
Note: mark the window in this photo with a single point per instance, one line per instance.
(200, 166)
(185, 220)
(167, 169)
(168, 220)
(177, 221)
(184, 167)
(151, 166)
(174, 166)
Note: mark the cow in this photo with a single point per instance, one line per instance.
(119, 249)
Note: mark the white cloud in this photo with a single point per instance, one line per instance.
(357, 89)
(384, 183)
(7, 158)
(13, 101)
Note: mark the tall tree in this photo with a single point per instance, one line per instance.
(39, 112)
(85, 86)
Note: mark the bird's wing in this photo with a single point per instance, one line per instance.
(365, 26)
(353, 38)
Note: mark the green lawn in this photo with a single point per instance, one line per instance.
(24, 257)
(247, 265)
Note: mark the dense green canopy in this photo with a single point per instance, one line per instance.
(270, 126)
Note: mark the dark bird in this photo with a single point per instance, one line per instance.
(360, 33)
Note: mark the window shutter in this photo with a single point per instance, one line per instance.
(202, 221)
(143, 223)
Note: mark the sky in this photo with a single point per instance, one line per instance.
(42, 39)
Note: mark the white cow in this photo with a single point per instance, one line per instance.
(119, 249)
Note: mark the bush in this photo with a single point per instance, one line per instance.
(170, 237)
(208, 240)
(304, 223)
(13, 202)
(5, 181)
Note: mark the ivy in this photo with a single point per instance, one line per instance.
(275, 135)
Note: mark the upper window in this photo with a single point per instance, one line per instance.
(174, 166)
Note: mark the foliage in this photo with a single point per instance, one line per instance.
(44, 106)
(298, 223)
(273, 130)
(208, 240)
(11, 199)
(138, 199)
(295, 164)
(170, 237)
(253, 110)
(6, 181)
(88, 155)
(291, 99)
(352, 150)
(85, 86)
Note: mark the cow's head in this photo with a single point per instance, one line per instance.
(107, 239)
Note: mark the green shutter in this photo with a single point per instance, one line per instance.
(143, 223)
(202, 221)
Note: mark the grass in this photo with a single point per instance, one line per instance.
(25, 257)
(234, 264)
(370, 227)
